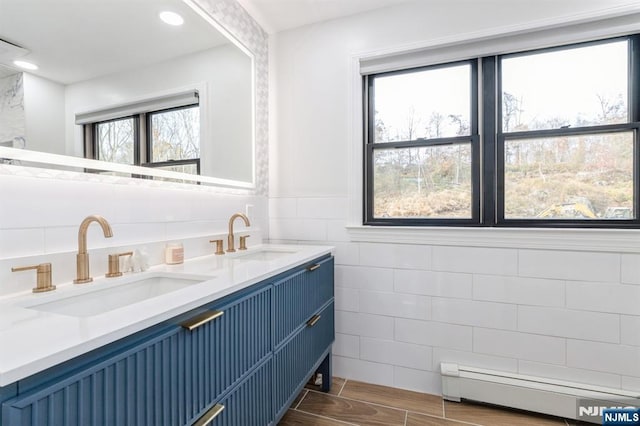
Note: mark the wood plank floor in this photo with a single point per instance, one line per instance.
(356, 403)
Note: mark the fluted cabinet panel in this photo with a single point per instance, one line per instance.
(135, 388)
(248, 404)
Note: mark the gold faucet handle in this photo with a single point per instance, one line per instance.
(219, 246)
(243, 242)
(43, 280)
(114, 264)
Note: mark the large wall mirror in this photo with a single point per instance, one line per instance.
(117, 84)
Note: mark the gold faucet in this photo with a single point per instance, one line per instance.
(231, 237)
(82, 258)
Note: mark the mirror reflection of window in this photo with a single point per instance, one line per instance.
(115, 141)
(162, 132)
(175, 134)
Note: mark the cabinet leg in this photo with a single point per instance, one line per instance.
(325, 369)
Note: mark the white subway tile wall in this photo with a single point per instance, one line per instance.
(403, 309)
(433, 333)
(39, 220)
(568, 373)
(604, 297)
(631, 268)
(630, 383)
(408, 378)
(364, 371)
(630, 330)
(532, 347)
(395, 304)
(401, 354)
(617, 359)
(569, 323)
(430, 283)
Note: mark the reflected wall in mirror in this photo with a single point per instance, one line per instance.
(12, 119)
(96, 59)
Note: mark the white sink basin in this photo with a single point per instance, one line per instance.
(263, 255)
(90, 303)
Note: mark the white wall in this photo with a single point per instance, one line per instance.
(224, 72)
(44, 114)
(404, 308)
(12, 127)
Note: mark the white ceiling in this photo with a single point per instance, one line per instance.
(75, 40)
(279, 15)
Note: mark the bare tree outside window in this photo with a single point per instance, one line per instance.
(175, 134)
(428, 182)
(586, 176)
(416, 105)
(577, 87)
(115, 141)
(425, 181)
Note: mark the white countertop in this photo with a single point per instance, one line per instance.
(33, 340)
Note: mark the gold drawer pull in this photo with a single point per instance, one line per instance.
(201, 319)
(313, 267)
(314, 319)
(209, 415)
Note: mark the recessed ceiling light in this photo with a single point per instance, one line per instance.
(171, 18)
(25, 65)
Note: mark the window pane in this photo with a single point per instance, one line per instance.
(572, 87)
(577, 177)
(175, 134)
(427, 182)
(433, 103)
(115, 141)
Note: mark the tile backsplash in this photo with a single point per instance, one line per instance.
(39, 221)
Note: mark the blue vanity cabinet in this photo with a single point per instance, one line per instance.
(169, 379)
(220, 364)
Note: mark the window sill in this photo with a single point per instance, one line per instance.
(599, 240)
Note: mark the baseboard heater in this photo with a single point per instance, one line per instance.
(548, 396)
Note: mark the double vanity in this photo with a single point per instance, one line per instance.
(221, 340)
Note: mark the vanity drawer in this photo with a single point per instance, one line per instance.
(220, 352)
(300, 295)
(248, 404)
(293, 362)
